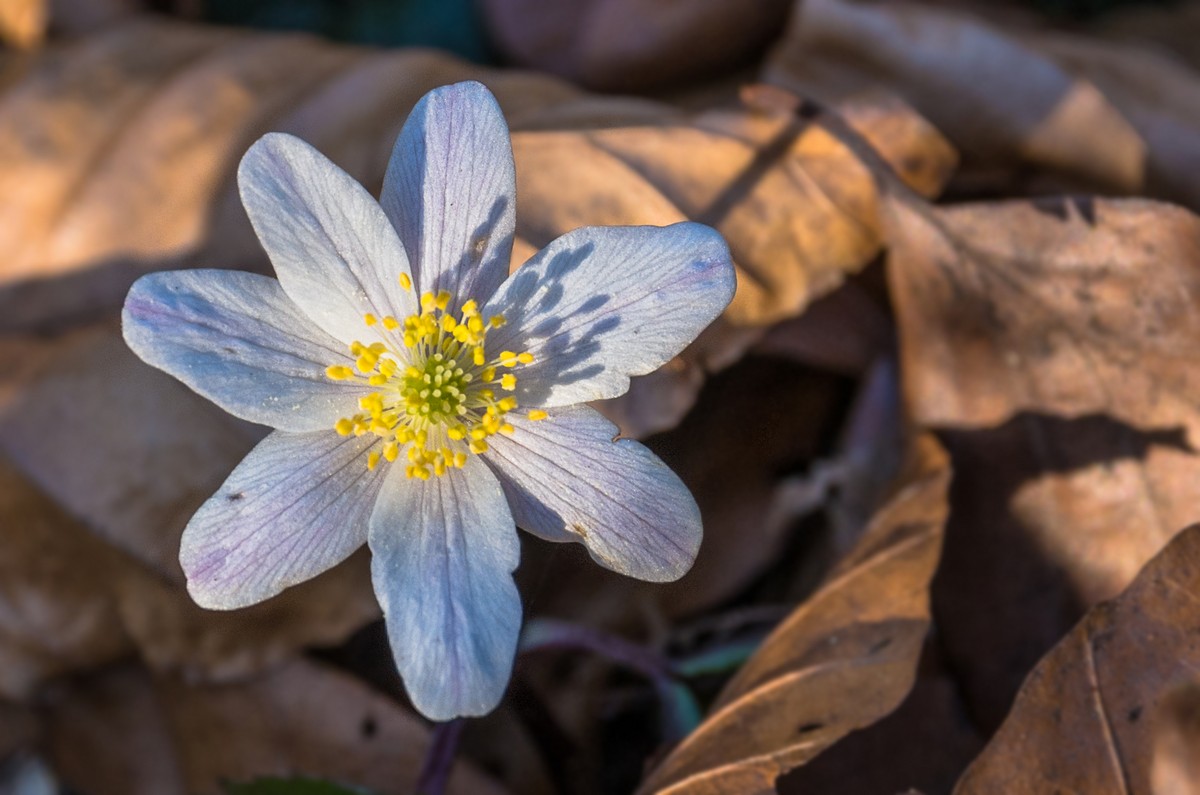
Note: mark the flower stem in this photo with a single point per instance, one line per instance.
(439, 759)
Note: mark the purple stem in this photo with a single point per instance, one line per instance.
(439, 759)
(548, 634)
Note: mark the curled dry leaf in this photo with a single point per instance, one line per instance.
(1116, 117)
(628, 45)
(995, 96)
(130, 453)
(125, 732)
(1084, 719)
(841, 661)
(1052, 345)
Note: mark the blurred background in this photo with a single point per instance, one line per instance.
(799, 419)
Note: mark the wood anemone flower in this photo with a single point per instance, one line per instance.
(425, 402)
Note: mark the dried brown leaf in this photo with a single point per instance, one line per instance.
(121, 147)
(841, 661)
(1158, 94)
(1083, 721)
(124, 732)
(1051, 343)
(169, 109)
(796, 206)
(629, 45)
(924, 745)
(130, 454)
(995, 96)
(1062, 306)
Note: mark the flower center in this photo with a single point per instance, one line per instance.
(438, 396)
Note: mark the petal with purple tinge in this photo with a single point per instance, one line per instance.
(450, 190)
(567, 480)
(236, 339)
(601, 304)
(297, 505)
(443, 552)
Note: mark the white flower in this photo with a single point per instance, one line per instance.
(425, 401)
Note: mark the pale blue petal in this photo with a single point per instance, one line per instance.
(601, 304)
(333, 249)
(450, 190)
(443, 552)
(567, 480)
(298, 504)
(236, 339)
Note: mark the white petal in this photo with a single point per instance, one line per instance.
(450, 190)
(567, 480)
(601, 304)
(333, 249)
(443, 552)
(298, 504)
(236, 339)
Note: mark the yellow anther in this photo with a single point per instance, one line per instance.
(439, 388)
(537, 414)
